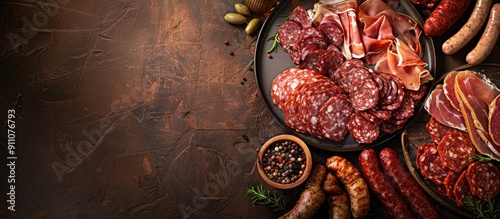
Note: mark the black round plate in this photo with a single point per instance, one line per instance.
(266, 69)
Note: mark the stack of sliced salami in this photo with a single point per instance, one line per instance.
(448, 162)
(327, 96)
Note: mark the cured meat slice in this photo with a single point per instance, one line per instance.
(421, 149)
(287, 81)
(334, 116)
(449, 89)
(437, 130)
(483, 179)
(333, 31)
(370, 117)
(380, 113)
(363, 94)
(449, 183)
(389, 94)
(462, 190)
(288, 34)
(354, 74)
(405, 110)
(362, 130)
(420, 93)
(439, 107)
(299, 15)
(311, 60)
(310, 31)
(431, 168)
(456, 150)
(350, 63)
(330, 61)
(494, 120)
(389, 127)
(397, 86)
(299, 46)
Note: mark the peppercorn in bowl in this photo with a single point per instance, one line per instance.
(284, 161)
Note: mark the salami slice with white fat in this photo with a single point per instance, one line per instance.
(462, 191)
(396, 95)
(329, 62)
(288, 34)
(456, 150)
(363, 94)
(420, 93)
(333, 32)
(296, 53)
(334, 116)
(353, 74)
(431, 167)
(299, 15)
(362, 130)
(405, 110)
(449, 183)
(483, 179)
(287, 81)
(421, 149)
(339, 74)
(437, 130)
(311, 60)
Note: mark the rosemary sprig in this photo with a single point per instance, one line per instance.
(481, 158)
(490, 211)
(276, 43)
(264, 197)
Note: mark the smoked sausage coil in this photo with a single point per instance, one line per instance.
(470, 29)
(488, 39)
(354, 183)
(444, 16)
(312, 197)
(406, 185)
(380, 185)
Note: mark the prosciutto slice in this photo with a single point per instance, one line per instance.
(474, 96)
(439, 107)
(449, 89)
(494, 120)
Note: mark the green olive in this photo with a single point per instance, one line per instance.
(235, 18)
(252, 26)
(242, 9)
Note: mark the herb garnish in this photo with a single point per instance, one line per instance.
(264, 197)
(490, 211)
(481, 158)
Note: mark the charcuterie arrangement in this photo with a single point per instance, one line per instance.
(331, 92)
(463, 126)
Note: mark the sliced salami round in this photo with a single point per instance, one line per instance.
(334, 116)
(299, 14)
(389, 127)
(456, 150)
(288, 34)
(397, 96)
(310, 31)
(483, 179)
(362, 130)
(363, 94)
(311, 60)
(431, 168)
(462, 191)
(370, 117)
(339, 74)
(421, 149)
(333, 32)
(418, 94)
(449, 183)
(329, 62)
(353, 74)
(405, 110)
(380, 113)
(437, 130)
(287, 81)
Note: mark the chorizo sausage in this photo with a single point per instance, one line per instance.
(380, 185)
(470, 29)
(444, 16)
(488, 39)
(312, 197)
(338, 200)
(354, 183)
(406, 185)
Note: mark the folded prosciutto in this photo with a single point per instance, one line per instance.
(440, 108)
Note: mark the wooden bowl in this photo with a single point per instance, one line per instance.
(260, 6)
(270, 144)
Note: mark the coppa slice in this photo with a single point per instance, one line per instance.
(439, 107)
(483, 179)
(494, 120)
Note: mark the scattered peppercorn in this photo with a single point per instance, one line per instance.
(245, 79)
(226, 42)
(231, 53)
(284, 162)
(269, 56)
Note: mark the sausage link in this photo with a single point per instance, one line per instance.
(488, 39)
(380, 185)
(312, 197)
(444, 16)
(406, 185)
(338, 200)
(354, 183)
(470, 29)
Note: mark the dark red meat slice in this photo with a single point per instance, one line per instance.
(483, 179)
(299, 14)
(339, 74)
(380, 113)
(462, 190)
(288, 34)
(299, 46)
(363, 94)
(449, 183)
(311, 60)
(397, 96)
(437, 130)
(334, 117)
(420, 93)
(333, 32)
(370, 117)
(456, 150)
(431, 167)
(362, 130)
(311, 31)
(353, 74)
(421, 149)
(330, 61)
(389, 128)
(494, 118)
(286, 82)
(405, 110)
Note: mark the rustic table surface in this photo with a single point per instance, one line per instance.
(139, 109)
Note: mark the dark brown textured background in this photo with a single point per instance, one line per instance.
(141, 109)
